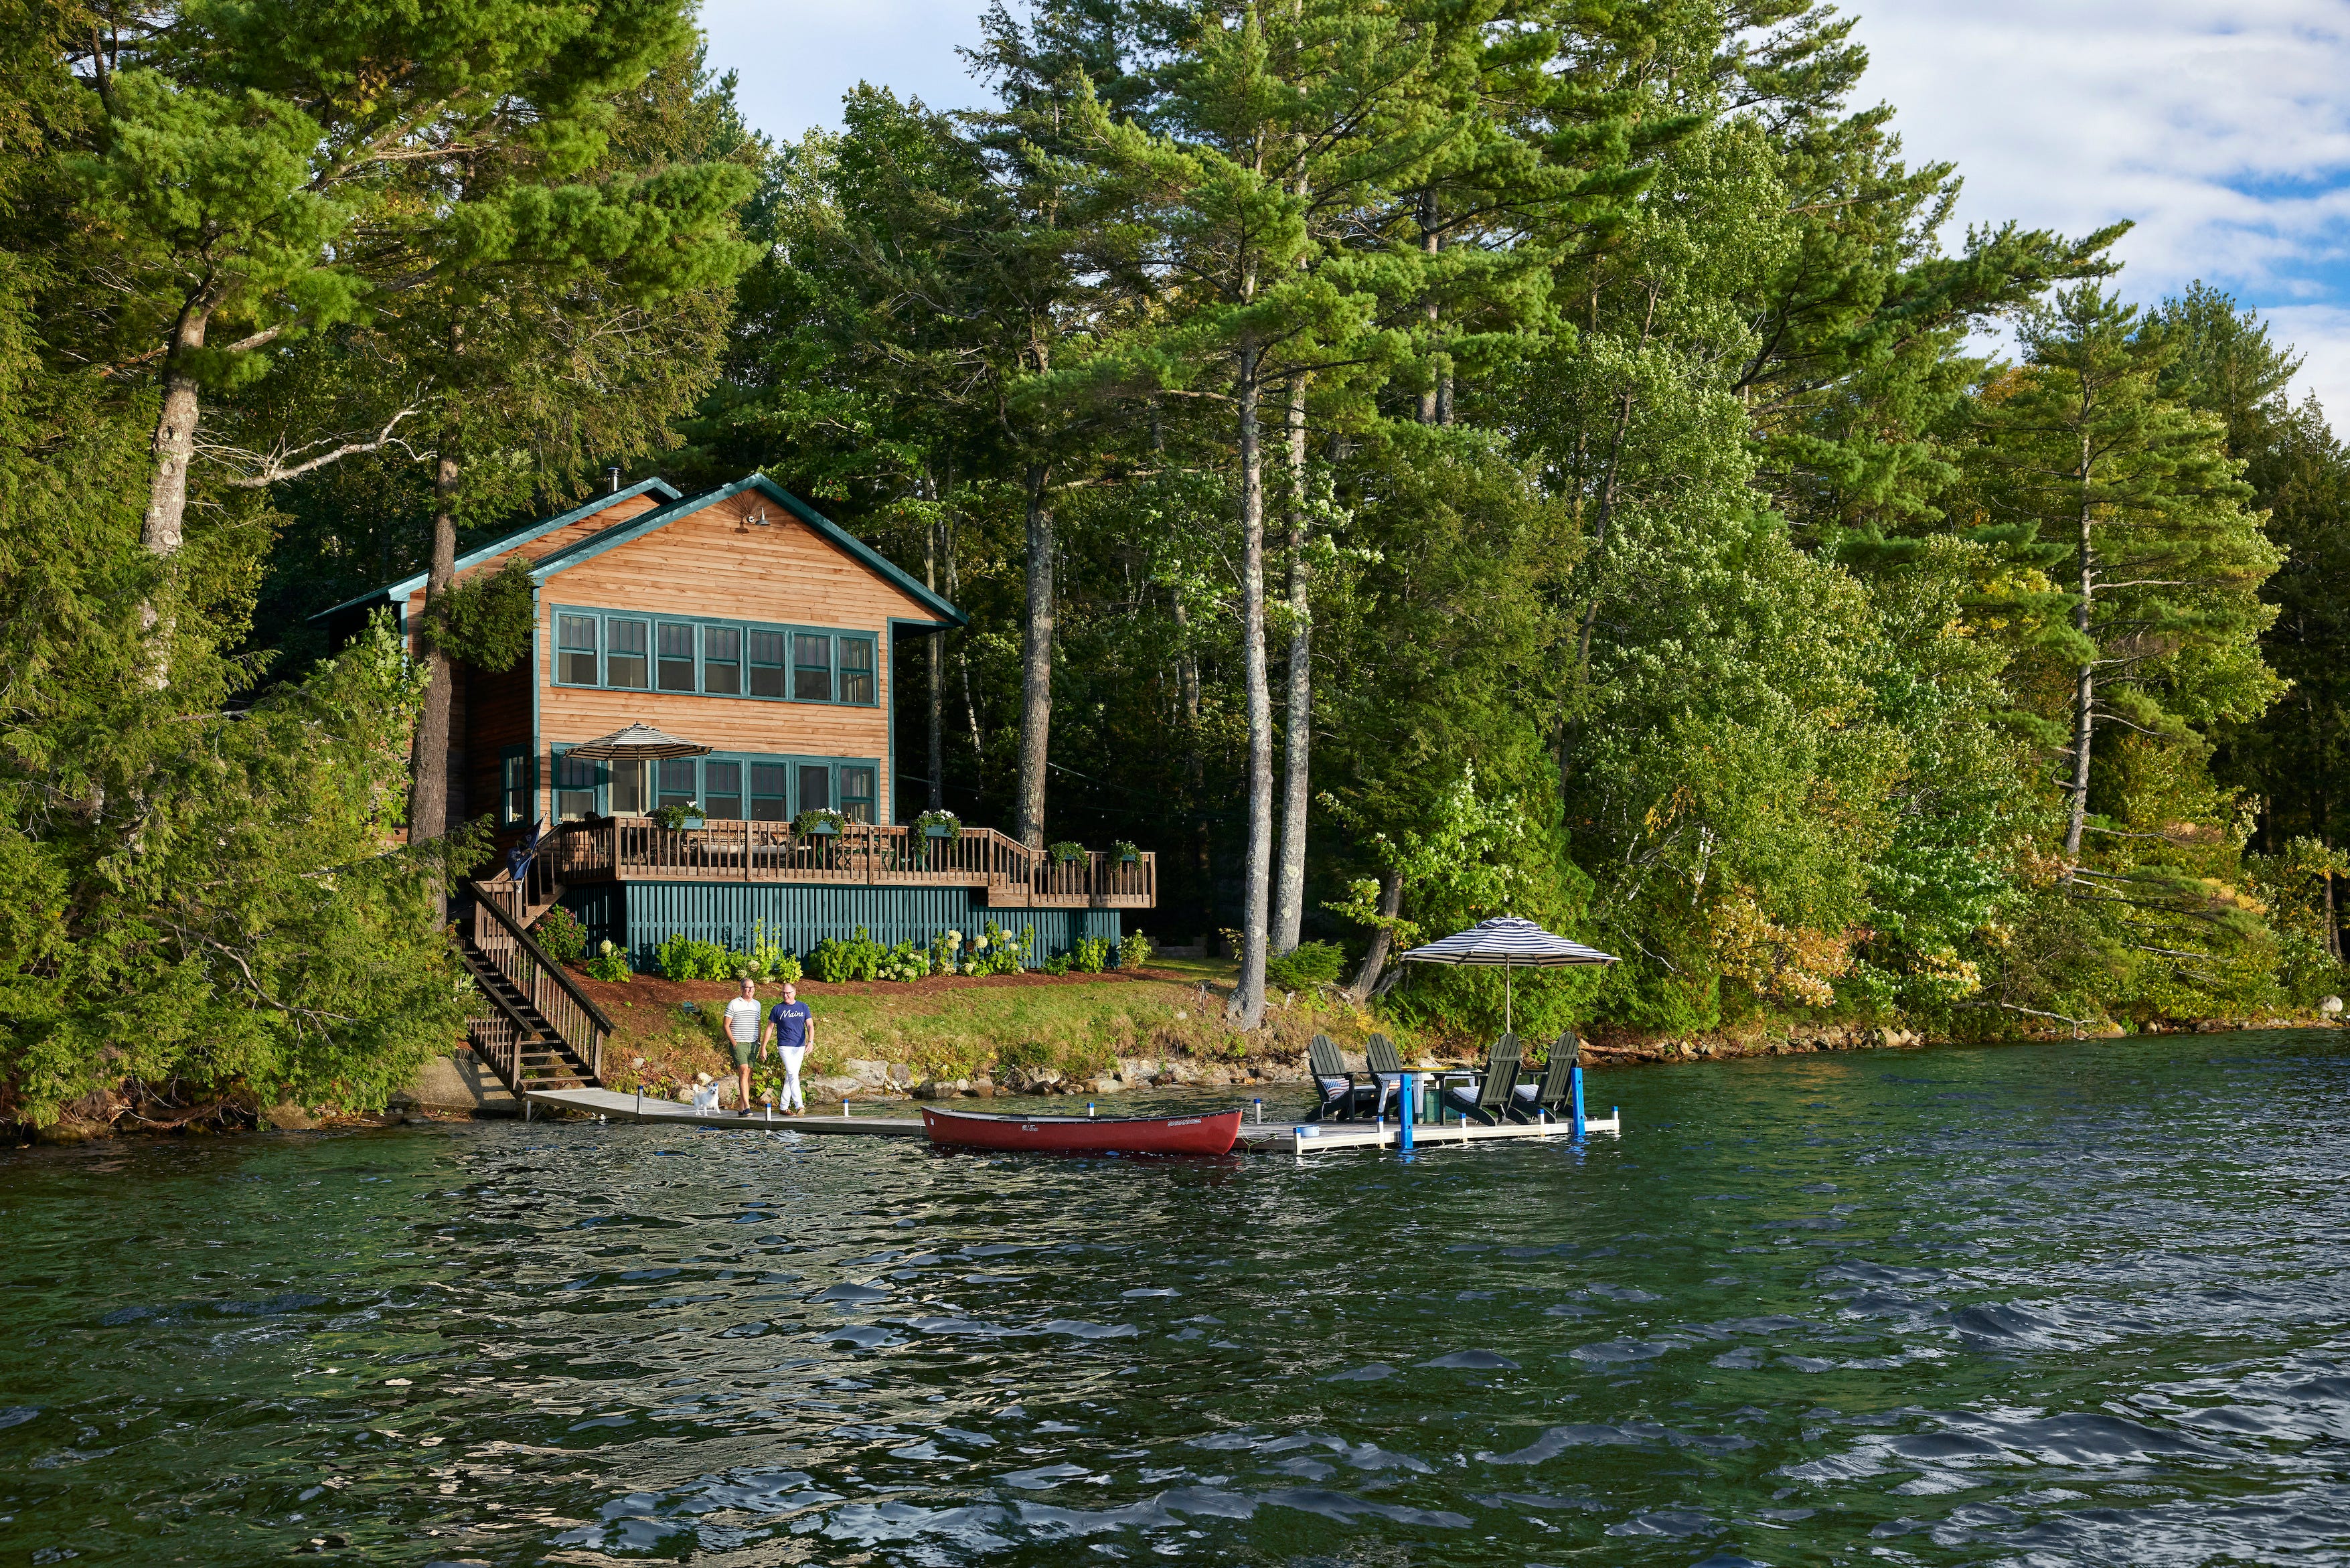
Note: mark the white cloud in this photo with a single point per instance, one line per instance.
(2220, 127)
(2321, 333)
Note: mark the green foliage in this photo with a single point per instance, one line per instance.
(819, 820)
(486, 621)
(1065, 851)
(1059, 963)
(836, 960)
(681, 957)
(1133, 950)
(609, 963)
(947, 822)
(560, 932)
(1091, 955)
(1306, 966)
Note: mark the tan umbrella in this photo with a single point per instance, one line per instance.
(639, 741)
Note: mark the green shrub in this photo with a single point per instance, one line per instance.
(1091, 955)
(905, 961)
(561, 934)
(681, 957)
(1057, 964)
(997, 952)
(1306, 966)
(609, 963)
(836, 961)
(1133, 950)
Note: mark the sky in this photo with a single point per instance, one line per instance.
(2220, 127)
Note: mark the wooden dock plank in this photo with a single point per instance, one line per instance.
(1256, 1137)
(618, 1107)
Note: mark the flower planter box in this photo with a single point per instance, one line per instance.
(935, 831)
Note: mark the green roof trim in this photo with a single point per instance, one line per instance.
(397, 591)
(645, 523)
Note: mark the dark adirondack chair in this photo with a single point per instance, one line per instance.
(1386, 1073)
(1491, 1102)
(1333, 1077)
(1552, 1095)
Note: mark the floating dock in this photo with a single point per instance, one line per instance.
(1258, 1137)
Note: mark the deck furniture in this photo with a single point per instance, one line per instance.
(1552, 1095)
(1491, 1102)
(1333, 1077)
(1386, 1069)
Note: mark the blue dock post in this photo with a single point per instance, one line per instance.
(1574, 1086)
(1410, 1094)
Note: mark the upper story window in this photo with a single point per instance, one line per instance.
(722, 661)
(766, 650)
(717, 659)
(626, 668)
(575, 642)
(856, 671)
(811, 666)
(674, 668)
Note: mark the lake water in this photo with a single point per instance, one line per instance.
(2077, 1304)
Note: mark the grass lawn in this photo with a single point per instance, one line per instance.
(954, 1027)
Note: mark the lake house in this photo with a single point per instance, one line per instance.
(746, 622)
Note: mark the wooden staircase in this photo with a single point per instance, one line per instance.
(532, 1025)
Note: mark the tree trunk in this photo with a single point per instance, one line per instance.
(1036, 664)
(1289, 887)
(1246, 1010)
(428, 795)
(1436, 402)
(938, 672)
(161, 530)
(1195, 773)
(2333, 922)
(2085, 688)
(1366, 978)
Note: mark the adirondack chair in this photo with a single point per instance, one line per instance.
(1549, 1098)
(1490, 1101)
(1333, 1077)
(1386, 1073)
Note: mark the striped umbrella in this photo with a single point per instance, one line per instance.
(1511, 941)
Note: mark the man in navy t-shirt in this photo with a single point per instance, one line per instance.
(792, 1027)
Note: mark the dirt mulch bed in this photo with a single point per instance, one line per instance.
(654, 991)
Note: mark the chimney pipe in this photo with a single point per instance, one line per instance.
(613, 473)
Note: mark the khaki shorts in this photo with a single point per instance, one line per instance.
(745, 1051)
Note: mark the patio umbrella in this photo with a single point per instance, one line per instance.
(639, 741)
(1511, 941)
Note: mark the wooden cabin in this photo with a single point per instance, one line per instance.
(744, 620)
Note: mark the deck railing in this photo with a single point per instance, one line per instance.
(859, 854)
(511, 950)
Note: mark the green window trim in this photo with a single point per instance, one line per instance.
(765, 787)
(517, 787)
(680, 656)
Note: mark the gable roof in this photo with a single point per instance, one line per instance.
(397, 591)
(637, 527)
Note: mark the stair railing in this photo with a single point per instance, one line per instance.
(518, 957)
(498, 1039)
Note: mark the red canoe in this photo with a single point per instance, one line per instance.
(1086, 1134)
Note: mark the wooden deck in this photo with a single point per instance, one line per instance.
(1008, 873)
(1256, 1137)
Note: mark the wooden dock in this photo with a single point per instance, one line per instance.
(1256, 1137)
(614, 1105)
(1303, 1139)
